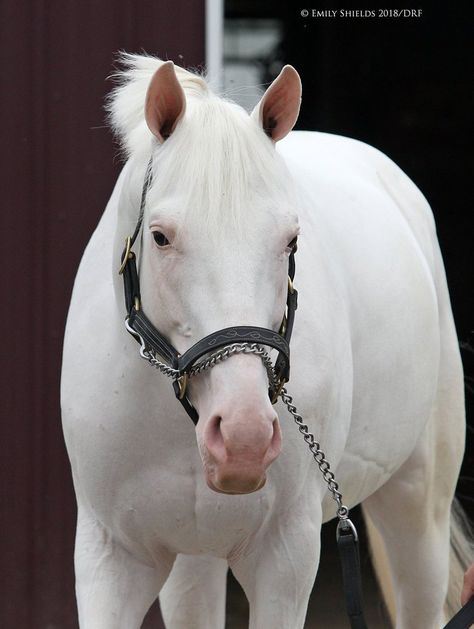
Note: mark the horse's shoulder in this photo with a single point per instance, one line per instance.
(350, 159)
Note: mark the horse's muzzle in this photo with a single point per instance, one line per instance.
(237, 451)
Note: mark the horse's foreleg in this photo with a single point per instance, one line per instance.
(114, 590)
(411, 512)
(194, 594)
(278, 571)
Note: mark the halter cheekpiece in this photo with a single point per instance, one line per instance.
(152, 340)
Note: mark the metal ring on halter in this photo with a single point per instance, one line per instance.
(345, 523)
(343, 514)
(182, 383)
(126, 255)
(278, 390)
(138, 337)
(291, 288)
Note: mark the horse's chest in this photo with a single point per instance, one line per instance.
(162, 507)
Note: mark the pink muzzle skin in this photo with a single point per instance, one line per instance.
(237, 449)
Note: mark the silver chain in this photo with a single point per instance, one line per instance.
(318, 455)
(253, 348)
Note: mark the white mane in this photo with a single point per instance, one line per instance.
(217, 153)
(126, 103)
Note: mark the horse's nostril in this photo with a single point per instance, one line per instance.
(275, 445)
(215, 426)
(213, 436)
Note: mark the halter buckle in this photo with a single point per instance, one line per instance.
(291, 288)
(182, 384)
(126, 254)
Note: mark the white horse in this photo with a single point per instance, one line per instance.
(375, 368)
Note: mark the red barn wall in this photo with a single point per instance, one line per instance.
(58, 166)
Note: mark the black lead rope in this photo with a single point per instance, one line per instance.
(348, 547)
(464, 618)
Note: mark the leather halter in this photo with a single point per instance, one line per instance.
(143, 330)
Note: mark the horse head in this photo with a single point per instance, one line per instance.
(218, 229)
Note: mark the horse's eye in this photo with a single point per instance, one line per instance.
(160, 239)
(292, 245)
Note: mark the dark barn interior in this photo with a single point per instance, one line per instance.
(402, 85)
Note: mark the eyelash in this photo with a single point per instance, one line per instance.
(160, 239)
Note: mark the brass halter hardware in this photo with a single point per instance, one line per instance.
(182, 383)
(128, 248)
(278, 390)
(291, 288)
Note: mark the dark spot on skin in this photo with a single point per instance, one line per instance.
(271, 124)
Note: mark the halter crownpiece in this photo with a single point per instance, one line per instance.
(154, 344)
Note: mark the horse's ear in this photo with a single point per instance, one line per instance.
(165, 102)
(279, 107)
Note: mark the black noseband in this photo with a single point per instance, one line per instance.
(152, 340)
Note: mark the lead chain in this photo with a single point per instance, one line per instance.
(318, 455)
(253, 348)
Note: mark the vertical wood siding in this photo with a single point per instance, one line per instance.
(58, 167)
